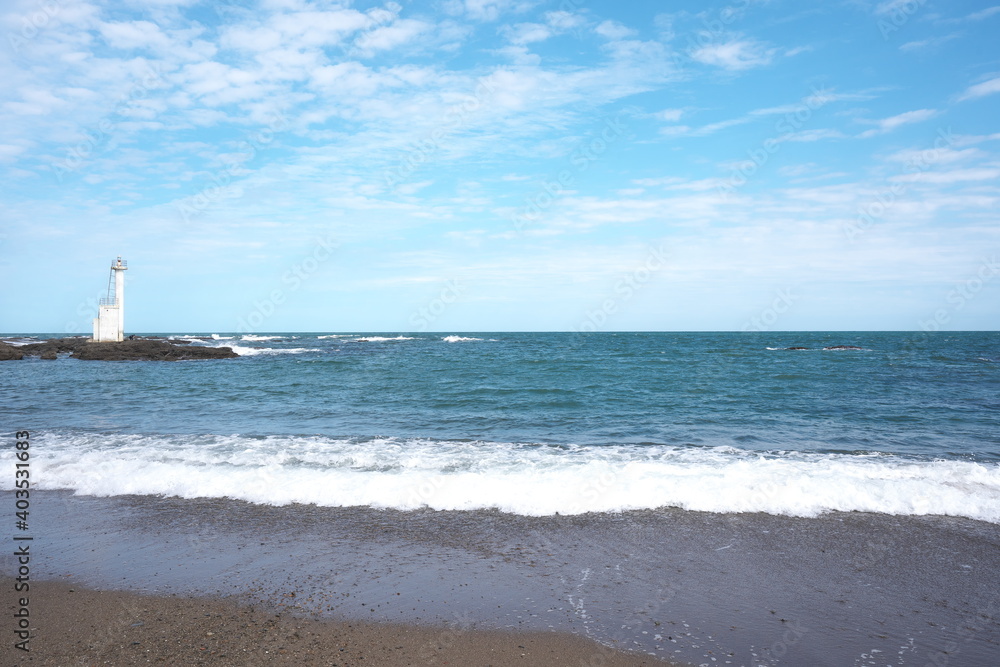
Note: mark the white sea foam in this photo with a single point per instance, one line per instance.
(458, 339)
(379, 339)
(253, 337)
(245, 351)
(532, 480)
(17, 342)
(218, 337)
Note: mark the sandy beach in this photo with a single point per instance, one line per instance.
(696, 588)
(78, 626)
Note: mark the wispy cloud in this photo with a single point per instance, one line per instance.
(889, 124)
(983, 89)
(735, 55)
(890, 6)
(614, 30)
(984, 13)
(487, 10)
(929, 43)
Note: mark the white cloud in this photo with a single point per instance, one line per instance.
(675, 130)
(669, 115)
(526, 33)
(8, 152)
(951, 177)
(712, 128)
(301, 29)
(613, 30)
(929, 43)
(388, 37)
(890, 6)
(981, 89)
(984, 13)
(889, 124)
(806, 136)
(556, 23)
(735, 55)
(487, 10)
(974, 139)
(134, 35)
(937, 155)
(563, 20)
(797, 50)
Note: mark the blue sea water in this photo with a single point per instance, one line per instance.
(533, 423)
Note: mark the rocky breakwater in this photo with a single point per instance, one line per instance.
(140, 349)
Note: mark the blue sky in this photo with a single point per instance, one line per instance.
(484, 165)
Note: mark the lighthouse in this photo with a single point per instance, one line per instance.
(109, 325)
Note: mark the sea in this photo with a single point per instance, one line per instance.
(534, 424)
(752, 498)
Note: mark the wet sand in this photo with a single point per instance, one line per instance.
(77, 626)
(754, 589)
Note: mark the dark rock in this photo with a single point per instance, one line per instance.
(796, 348)
(126, 350)
(10, 352)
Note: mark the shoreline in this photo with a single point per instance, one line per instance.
(683, 586)
(74, 625)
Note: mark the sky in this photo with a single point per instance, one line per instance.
(501, 165)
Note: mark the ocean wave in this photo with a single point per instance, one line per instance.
(246, 351)
(218, 337)
(458, 339)
(526, 479)
(380, 339)
(255, 338)
(18, 341)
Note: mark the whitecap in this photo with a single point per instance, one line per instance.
(519, 478)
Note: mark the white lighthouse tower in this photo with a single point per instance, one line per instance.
(109, 325)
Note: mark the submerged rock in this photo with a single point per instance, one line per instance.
(126, 350)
